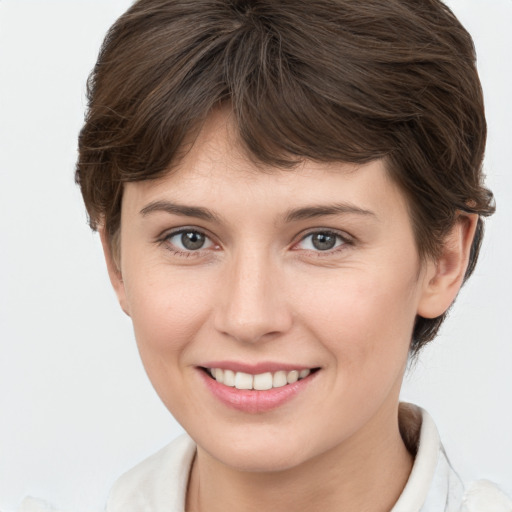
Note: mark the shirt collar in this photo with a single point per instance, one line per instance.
(432, 486)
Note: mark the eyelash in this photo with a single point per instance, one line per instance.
(340, 237)
(165, 239)
(343, 238)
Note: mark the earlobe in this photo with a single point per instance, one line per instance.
(444, 277)
(114, 270)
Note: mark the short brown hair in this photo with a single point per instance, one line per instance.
(326, 80)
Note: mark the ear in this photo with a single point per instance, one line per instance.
(444, 277)
(114, 270)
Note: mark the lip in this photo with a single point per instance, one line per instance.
(253, 401)
(254, 369)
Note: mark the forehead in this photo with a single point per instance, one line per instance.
(215, 169)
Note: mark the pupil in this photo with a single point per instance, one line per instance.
(192, 240)
(324, 241)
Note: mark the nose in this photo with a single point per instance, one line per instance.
(252, 304)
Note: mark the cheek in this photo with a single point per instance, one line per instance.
(363, 318)
(167, 308)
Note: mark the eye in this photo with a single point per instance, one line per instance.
(321, 241)
(188, 240)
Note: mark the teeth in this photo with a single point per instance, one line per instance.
(229, 378)
(260, 382)
(279, 379)
(263, 381)
(292, 376)
(243, 380)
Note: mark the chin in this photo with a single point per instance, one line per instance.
(259, 454)
(259, 461)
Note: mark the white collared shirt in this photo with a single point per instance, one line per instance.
(159, 483)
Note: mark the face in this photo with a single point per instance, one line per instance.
(297, 290)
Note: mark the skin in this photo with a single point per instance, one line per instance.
(258, 291)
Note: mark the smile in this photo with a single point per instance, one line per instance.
(259, 382)
(256, 390)
(256, 387)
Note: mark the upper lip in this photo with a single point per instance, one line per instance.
(256, 368)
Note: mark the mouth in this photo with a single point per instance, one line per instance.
(258, 389)
(259, 382)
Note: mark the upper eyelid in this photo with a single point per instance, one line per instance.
(184, 229)
(347, 242)
(166, 234)
(164, 237)
(342, 234)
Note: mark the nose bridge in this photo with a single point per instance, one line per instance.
(253, 304)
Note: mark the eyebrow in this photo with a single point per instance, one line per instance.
(304, 213)
(310, 212)
(179, 209)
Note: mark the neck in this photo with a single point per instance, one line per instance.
(366, 473)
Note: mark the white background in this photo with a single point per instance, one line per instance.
(76, 408)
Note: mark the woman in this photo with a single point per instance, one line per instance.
(289, 197)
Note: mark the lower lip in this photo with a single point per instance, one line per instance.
(252, 401)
